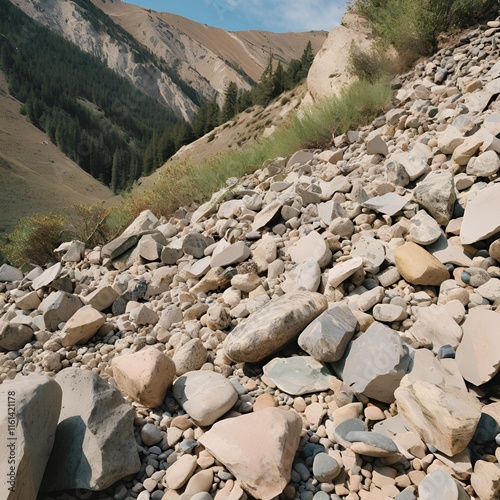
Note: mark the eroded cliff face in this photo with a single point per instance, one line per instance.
(80, 27)
(173, 59)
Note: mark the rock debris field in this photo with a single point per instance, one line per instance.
(325, 328)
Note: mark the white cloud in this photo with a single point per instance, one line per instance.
(296, 15)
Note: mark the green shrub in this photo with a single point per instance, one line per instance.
(413, 27)
(373, 66)
(34, 238)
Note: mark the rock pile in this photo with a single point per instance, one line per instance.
(324, 328)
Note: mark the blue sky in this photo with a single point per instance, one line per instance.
(269, 15)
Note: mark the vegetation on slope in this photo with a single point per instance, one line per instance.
(413, 27)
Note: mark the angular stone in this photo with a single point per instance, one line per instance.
(440, 372)
(74, 252)
(340, 272)
(376, 363)
(486, 480)
(370, 250)
(377, 146)
(439, 484)
(446, 417)
(478, 355)
(449, 253)
(424, 230)
(465, 151)
(388, 204)
(266, 215)
(478, 223)
(450, 139)
(29, 302)
(47, 277)
(118, 246)
(258, 449)
(273, 326)
(144, 376)
(311, 246)
(145, 221)
(94, 445)
(436, 194)
(326, 338)
(101, 298)
(368, 299)
(218, 277)
(27, 428)
(434, 323)
(490, 290)
(205, 396)
(82, 326)
(419, 267)
(194, 244)
(233, 254)
(484, 165)
(298, 375)
(10, 273)
(58, 307)
(190, 357)
(172, 252)
(14, 336)
(148, 248)
(144, 315)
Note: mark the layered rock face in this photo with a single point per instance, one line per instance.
(325, 327)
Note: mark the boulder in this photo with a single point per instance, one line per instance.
(419, 267)
(101, 298)
(258, 449)
(436, 194)
(205, 396)
(312, 246)
(14, 336)
(190, 357)
(82, 326)
(486, 480)
(47, 277)
(273, 326)
(326, 338)
(376, 362)
(478, 223)
(27, 429)
(10, 273)
(94, 445)
(233, 254)
(424, 230)
(445, 417)
(58, 307)
(144, 376)
(340, 272)
(478, 355)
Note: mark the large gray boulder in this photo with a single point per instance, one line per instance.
(95, 444)
(27, 430)
(273, 326)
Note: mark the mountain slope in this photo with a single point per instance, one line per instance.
(34, 175)
(176, 61)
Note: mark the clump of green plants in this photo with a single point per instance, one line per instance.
(413, 28)
(34, 238)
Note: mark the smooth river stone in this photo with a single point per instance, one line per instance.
(272, 327)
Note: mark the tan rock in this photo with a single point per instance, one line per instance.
(273, 326)
(446, 418)
(486, 480)
(258, 449)
(180, 471)
(82, 326)
(101, 298)
(419, 267)
(264, 401)
(478, 355)
(144, 376)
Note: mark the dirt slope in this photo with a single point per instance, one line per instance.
(34, 175)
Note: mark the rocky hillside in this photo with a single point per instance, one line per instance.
(325, 328)
(176, 61)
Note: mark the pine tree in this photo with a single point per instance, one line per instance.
(115, 172)
(306, 60)
(278, 80)
(264, 90)
(230, 107)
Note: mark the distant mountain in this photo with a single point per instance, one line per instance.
(179, 62)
